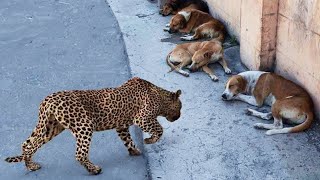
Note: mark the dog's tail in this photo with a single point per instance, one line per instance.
(173, 67)
(220, 37)
(303, 126)
(14, 159)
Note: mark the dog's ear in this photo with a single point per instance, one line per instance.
(185, 14)
(242, 83)
(208, 54)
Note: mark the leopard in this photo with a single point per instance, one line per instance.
(136, 102)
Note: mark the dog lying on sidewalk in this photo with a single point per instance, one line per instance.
(174, 6)
(202, 24)
(288, 100)
(198, 55)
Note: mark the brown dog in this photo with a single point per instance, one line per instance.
(288, 100)
(202, 24)
(174, 6)
(198, 55)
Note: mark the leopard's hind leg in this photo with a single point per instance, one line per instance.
(46, 129)
(37, 139)
(83, 131)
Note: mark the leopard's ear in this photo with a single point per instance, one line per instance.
(176, 95)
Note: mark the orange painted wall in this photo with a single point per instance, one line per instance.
(298, 44)
(297, 48)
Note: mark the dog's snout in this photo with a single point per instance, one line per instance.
(224, 96)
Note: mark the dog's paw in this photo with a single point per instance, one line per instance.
(214, 78)
(269, 116)
(185, 74)
(187, 38)
(258, 126)
(166, 29)
(271, 132)
(227, 71)
(249, 112)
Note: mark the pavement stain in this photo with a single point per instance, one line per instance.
(144, 15)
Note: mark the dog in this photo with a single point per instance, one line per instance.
(174, 6)
(288, 100)
(202, 24)
(198, 55)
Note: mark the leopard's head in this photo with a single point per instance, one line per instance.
(172, 106)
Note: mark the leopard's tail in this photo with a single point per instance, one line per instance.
(14, 159)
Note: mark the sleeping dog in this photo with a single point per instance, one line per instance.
(288, 100)
(198, 55)
(202, 24)
(174, 6)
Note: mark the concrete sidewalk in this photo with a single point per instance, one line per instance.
(212, 139)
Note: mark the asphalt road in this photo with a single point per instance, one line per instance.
(47, 46)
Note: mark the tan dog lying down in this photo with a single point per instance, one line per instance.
(202, 24)
(288, 101)
(174, 6)
(198, 55)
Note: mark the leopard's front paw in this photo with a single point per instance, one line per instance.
(32, 166)
(95, 170)
(149, 140)
(134, 152)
